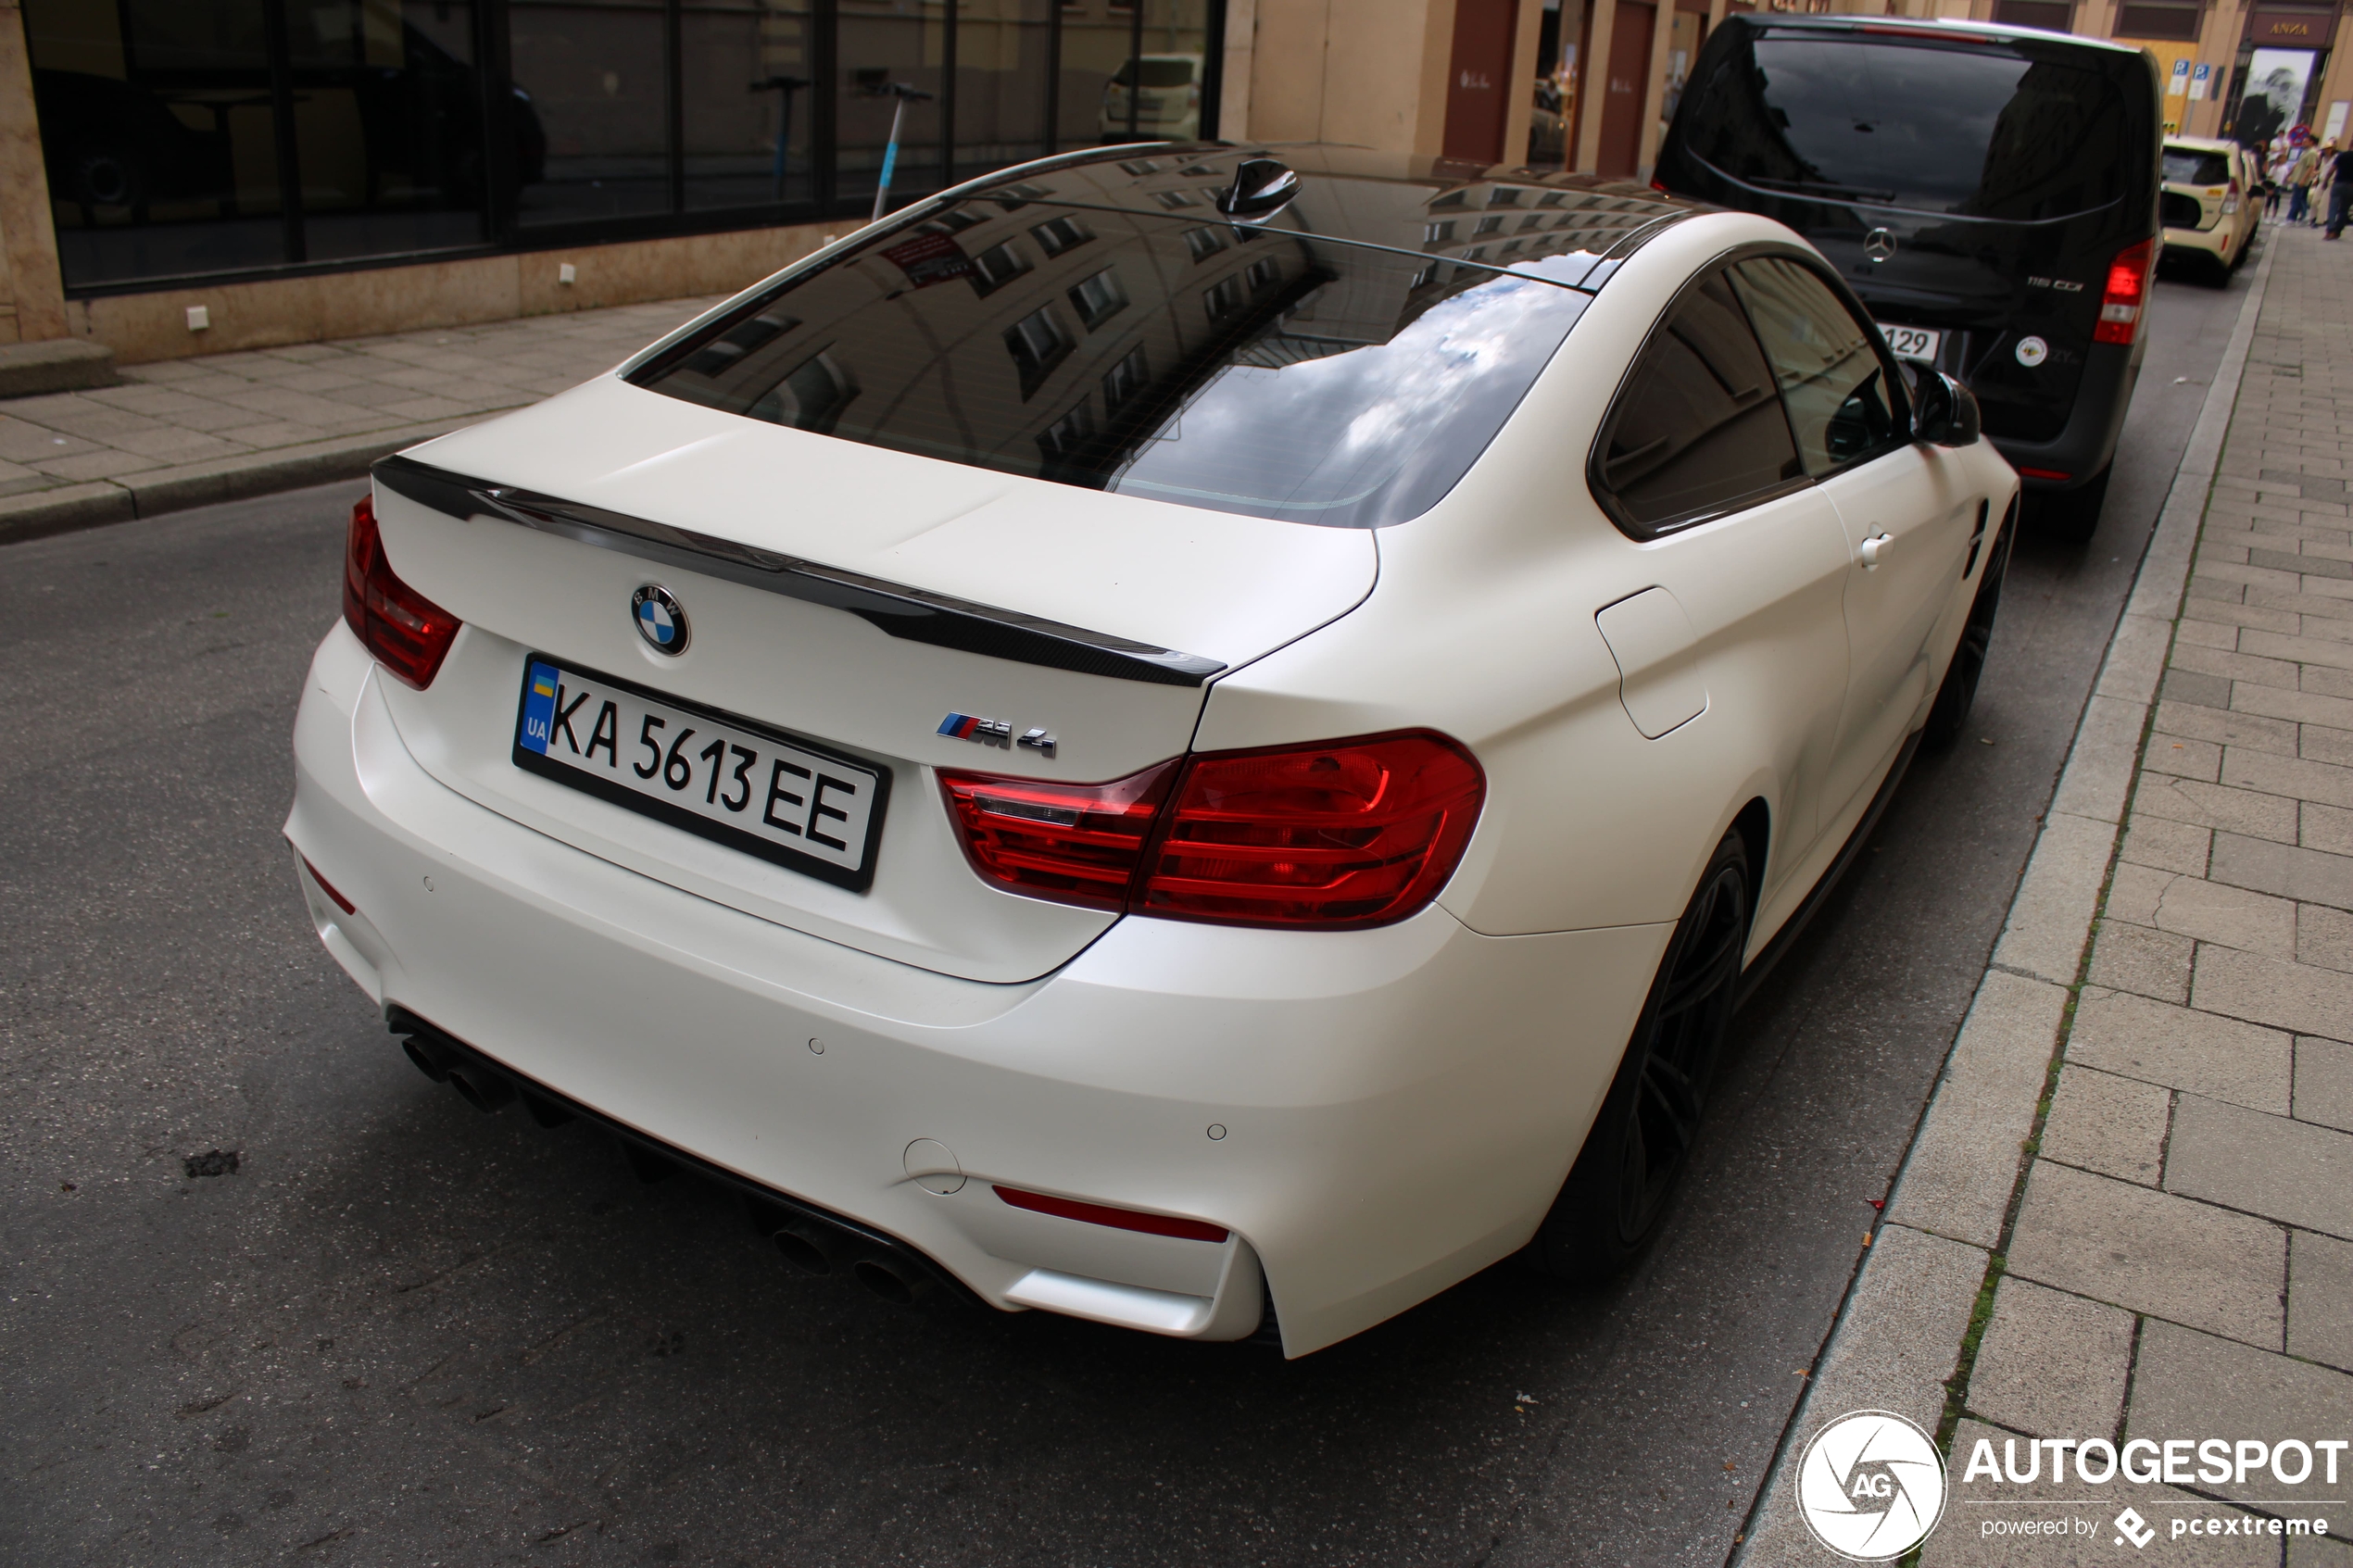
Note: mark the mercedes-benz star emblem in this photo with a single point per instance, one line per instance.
(659, 620)
(1879, 244)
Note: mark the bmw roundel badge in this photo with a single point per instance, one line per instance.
(659, 620)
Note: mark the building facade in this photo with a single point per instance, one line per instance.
(280, 171)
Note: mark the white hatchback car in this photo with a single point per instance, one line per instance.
(1164, 740)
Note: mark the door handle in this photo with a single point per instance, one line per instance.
(1874, 550)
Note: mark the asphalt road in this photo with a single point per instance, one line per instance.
(401, 1332)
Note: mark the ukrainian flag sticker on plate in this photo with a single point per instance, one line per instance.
(539, 707)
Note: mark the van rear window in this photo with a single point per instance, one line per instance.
(2194, 166)
(1272, 372)
(1978, 132)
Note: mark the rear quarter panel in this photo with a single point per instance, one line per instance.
(1482, 627)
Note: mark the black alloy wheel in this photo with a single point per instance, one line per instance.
(1958, 693)
(1610, 1206)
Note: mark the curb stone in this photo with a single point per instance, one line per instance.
(158, 491)
(1987, 1090)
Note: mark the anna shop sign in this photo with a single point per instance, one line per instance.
(2282, 27)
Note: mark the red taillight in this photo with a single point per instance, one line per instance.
(1119, 1218)
(1344, 834)
(2043, 473)
(2127, 293)
(1359, 832)
(1076, 843)
(408, 633)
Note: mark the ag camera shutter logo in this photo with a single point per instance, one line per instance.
(1871, 1486)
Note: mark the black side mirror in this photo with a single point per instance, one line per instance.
(1261, 188)
(1943, 411)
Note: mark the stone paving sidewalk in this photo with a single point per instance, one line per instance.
(2128, 1213)
(184, 432)
(2181, 1261)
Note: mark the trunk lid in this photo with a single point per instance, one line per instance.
(842, 592)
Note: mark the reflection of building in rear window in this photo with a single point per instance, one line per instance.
(1204, 243)
(1060, 439)
(1141, 165)
(1038, 343)
(1099, 298)
(1059, 234)
(1172, 200)
(811, 397)
(1978, 131)
(1504, 195)
(955, 221)
(1346, 385)
(1125, 380)
(1487, 226)
(997, 266)
(1438, 233)
(738, 341)
(1012, 196)
(2190, 166)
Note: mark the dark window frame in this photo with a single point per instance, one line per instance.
(1899, 385)
(1596, 478)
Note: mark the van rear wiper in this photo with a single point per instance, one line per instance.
(1844, 193)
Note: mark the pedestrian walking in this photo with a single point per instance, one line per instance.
(2302, 172)
(2274, 177)
(2340, 178)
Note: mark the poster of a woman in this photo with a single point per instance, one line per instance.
(2276, 81)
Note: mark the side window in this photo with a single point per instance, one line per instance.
(1841, 400)
(1697, 431)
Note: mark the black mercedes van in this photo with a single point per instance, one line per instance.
(1990, 192)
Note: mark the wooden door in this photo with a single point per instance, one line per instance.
(1623, 89)
(1476, 101)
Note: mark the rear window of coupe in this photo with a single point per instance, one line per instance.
(1270, 373)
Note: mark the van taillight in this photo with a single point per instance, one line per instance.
(2127, 291)
(1331, 837)
(408, 632)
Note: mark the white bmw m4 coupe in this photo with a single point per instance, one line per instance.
(1199, 738)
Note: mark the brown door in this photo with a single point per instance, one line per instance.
(1476, 102)
(1630, 69)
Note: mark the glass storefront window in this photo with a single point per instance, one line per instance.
(387, 113)
(595, 74)
(1003, 56)
(160, 134)
(747, 109)
(885, 45)
(185, 138)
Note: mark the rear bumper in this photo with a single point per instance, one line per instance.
(2215, 242)
(1397, 1107)
(2083, 450)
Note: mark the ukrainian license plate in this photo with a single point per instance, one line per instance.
(1911, 343)
(728, 779)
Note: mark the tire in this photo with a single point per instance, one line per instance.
(1958, 693)
(2072, 517)
(1610, 1206)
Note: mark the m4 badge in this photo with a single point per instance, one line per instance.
(995, 732)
